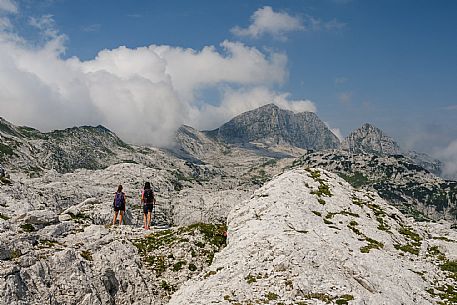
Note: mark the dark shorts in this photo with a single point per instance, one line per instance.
(121, 208)
(147, 208)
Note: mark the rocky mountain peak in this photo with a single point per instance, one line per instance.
(271, 125)
(370, 139)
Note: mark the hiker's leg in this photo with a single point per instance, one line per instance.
(114, 218)
(145, 213)
(149, 219)
(121, 215)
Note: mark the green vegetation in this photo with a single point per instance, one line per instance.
(447, 294)
(344, 299)
(358, 201)
(357, 180)
(178, 266)
(87, 255)
(323, 189)
(347, 213)
(409, 233)
(209, 238)
(379, 214)
(271, 296)
(165, 286)
(372, 244)
(27, 227)
(192, 267)
(16, 253)
(250, 279)
(352, 225)
(5, 150)
(435, 251)
(415, 243)
(408, 248)
(4, 217)
(45, 243)
(450, 266)
(444, 238)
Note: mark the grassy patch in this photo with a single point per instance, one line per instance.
(444, 238)
(372, 244)
(250, 279)
(447, 294)
(357, 180)
(410, 234)
(87, 255)
(415, 243)
(352, 225)
(450, 266)
(27, 227)
(323, 189)
(4, 217)
(202, 240)
(165, 286)
(16, 253)
(344, 299)
(408, 248)
(192, 267)
(435, 251)
(178, 265)
(271, 296)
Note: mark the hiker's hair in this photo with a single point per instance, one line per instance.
(147, 185)
(119, 188)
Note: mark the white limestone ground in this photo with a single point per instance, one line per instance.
(307, 237)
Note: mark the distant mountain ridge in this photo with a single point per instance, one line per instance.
(272, 125)
(63, 150)
(370, 139)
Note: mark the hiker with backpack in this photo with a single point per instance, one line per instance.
(119, 205)
(148, 200)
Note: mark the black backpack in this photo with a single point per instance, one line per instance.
(148, 196)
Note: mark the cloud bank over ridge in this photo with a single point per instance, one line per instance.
(142, 94)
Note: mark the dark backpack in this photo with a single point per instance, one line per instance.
(119, 199)
(148, 196)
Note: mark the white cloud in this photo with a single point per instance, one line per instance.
(8, 6)
(267, 21)
(345, 98)
(341, 80)
(235, 102)
(449, 158)
(5, 23)
(142, 94)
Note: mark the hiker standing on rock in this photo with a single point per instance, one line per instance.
(148, 200)
(119, 205)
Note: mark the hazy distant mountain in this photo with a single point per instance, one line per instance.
(372, 140)
(271, 125)
(369, 139)
(194, 144)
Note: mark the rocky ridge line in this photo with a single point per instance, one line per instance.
(308, 237)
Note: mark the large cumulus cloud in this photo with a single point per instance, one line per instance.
(142, 94)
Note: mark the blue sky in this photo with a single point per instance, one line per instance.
(390, 63)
